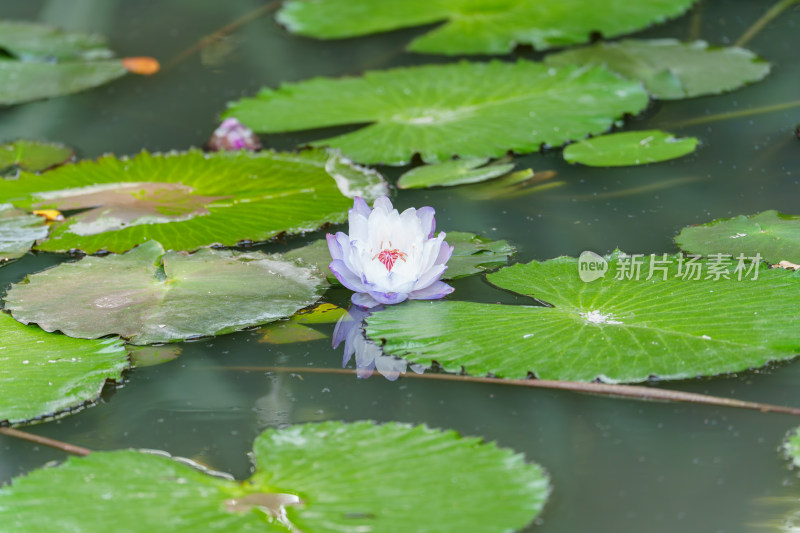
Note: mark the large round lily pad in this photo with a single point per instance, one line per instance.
(311, 478)
(478, 27)
(149, 296)
(773, 235)
(438, 111)
(43, 374)
(191, 199)
(671, 69)
(615, 330)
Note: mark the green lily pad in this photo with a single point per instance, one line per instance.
(42, 374)
(629, 148)
(454, 172)
(467, 109)
(671, 69)
(149, 296)
(142, 356)
(315, 477)
(191, 199)
(478, 27)
(614, 330)
(773, 235)
(34, 156)
(42, 62)
(18, 231)
(474, 254)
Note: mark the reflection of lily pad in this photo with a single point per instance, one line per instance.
(149, 296)
(438, 111)
(671, 69)
(773, 235)
(454, 172)
(18, 231)
(615, 330)
(47, 62)
(188, 200)
(629, 148)
(317, 477)
(33, 156)
(43, 374)
(295, 329)
(478, 27)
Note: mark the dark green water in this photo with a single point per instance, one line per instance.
(616, 465)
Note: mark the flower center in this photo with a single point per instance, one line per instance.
(389, 256)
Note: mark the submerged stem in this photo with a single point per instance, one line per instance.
(732, 114)
(38, 439)
(604, 389)
(765, 19)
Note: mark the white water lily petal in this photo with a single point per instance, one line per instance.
(390, 257)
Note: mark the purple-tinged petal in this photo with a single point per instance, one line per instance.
(428, 220)
(345, 276)
(360, 207)
(434, 291)
(444, 253)
(334, 247)
(364, 300)
(388, 298)
(383, 203)
(343, 327)
(429, 277)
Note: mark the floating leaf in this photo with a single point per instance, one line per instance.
(316, 477)
(629, 148)
(615, 330)
(142, 356)
(773, 235)
(190, 199)
(671, 69)
(42, 374)
(453, 172)
(478, 27)
(149, 296)
(295, 330)
(33, 41)
(33, 156)
(474, 254)
(18, 231)
(466, 109)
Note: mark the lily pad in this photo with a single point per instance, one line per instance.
(670, 326)
(629, 148)
(33, 156)
(149, 296)
(671, 69)
(454, 172)
(18, 231)
(482, 27)
(438, 111)
(42, 374)
(316, 477)
(773, 235)
(42, 62)
(191, 199)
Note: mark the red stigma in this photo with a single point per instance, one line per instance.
(389, 257)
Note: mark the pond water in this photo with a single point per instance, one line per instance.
(615, 465)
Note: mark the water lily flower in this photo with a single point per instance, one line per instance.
(390, 257)
(233, 135)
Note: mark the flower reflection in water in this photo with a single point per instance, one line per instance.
(369, 356)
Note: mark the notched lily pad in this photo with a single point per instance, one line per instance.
(18, 231)
(629, 148)
(626, 323)
(473, 110)
(773, 235)
(671, 69)
(483, 27)
(43, 374)
(149, 296)
(454, 172)
(317, 477)
(33, 156)
(191, 199)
